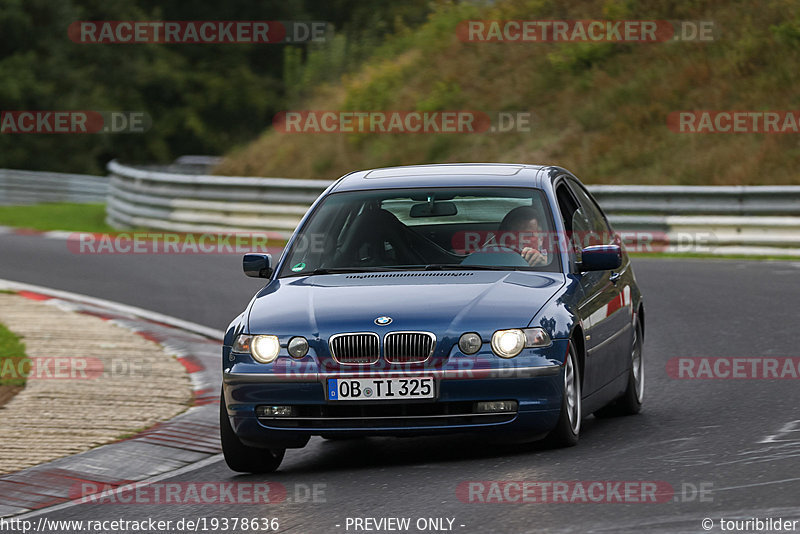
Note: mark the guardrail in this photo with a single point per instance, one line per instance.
(743, 200)
(202, 203)
(30, 187)
(748, 220)
(762, 220)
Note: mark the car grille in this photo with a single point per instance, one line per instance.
(357, 348)
(408, 347)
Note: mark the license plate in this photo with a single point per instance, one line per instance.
(359, 389)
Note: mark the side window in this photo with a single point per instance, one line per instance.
(566, 204)
(594, 229)
(570, 217)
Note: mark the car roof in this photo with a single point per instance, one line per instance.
(446, 174)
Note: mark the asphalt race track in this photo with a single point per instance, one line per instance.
(736, 440)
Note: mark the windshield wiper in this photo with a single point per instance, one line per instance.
(341, 270)
(429, 267)
(459, 267)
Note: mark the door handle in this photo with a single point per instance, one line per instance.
(614, 278)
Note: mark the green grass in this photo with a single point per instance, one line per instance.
(12, 359)
(45, 217)
(90, 218)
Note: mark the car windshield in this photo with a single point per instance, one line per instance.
(497, 228)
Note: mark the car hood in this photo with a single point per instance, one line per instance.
(444, 302)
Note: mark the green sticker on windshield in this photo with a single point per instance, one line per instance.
(299, 267)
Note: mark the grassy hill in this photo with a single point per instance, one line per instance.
(600, 108)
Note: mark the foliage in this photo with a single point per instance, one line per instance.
(202, 98)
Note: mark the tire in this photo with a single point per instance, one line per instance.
(568, 428)
(631, 401)
(240, 457)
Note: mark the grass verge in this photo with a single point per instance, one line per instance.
(57, 216)
(13, 363)
(90, 219)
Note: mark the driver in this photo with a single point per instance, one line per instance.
(523, 228)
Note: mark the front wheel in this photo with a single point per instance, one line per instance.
(566, 432)
(240, 457)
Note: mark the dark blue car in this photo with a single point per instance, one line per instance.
(430, 299)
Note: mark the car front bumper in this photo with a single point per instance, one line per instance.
(535, 382)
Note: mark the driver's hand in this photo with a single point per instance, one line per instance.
(533, 257)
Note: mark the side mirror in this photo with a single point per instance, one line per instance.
(257, 265)
(601, 258)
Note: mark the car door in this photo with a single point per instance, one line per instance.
(607, 304)
(593, 286)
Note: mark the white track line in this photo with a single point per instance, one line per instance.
(114, 306)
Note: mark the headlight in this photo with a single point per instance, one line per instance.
(470, 343)
(298, 347)
(509, 343)
(264, 349)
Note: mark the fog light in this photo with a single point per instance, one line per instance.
(276, 411)
(298, 347)
(495, 406)
(470, 343)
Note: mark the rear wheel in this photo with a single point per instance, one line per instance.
(566, 432)
(240, 457)
(631, 401)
